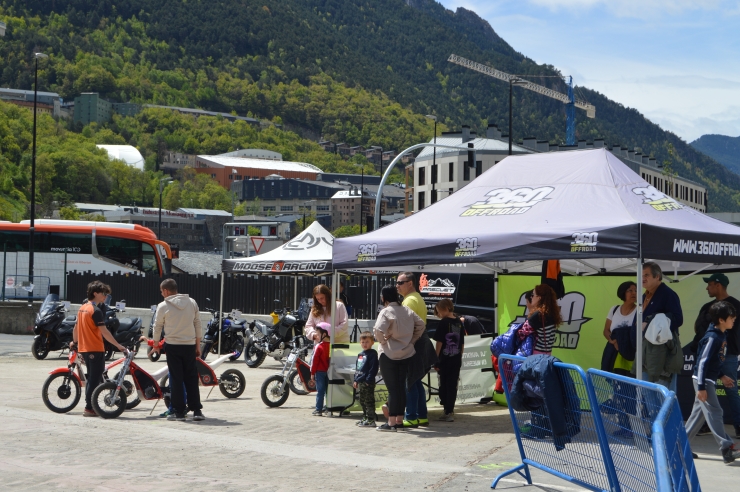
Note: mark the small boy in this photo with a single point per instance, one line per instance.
(707, 369)
(365, 371)
(320, 366)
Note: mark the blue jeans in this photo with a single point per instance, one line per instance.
(322, 381)
(729, 369)
(416, 402)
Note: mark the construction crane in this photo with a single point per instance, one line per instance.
(571, 103)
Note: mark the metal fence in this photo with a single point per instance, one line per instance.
(610, 433)
(25, 287)
(252, 294)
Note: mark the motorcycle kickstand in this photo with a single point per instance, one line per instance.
(209, 393)
(155, 406)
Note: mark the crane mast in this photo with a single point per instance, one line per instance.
(569, 99)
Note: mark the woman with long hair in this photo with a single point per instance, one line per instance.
(321, 312)
(545, 318)
(397, 329)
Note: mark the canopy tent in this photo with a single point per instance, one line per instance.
(584, 207)
(308, 253)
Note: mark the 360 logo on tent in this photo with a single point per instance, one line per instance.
(584, 241)
(467, 246)
(657, 199)
(367, 252)
(507, 201)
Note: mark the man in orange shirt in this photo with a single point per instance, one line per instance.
(88, 335)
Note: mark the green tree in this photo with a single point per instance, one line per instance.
(69, 213)
(349, 230)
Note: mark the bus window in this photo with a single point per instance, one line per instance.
(63, 242)
(124, 251)
(148, 258)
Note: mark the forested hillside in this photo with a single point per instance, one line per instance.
(360, 71)
(721, 148)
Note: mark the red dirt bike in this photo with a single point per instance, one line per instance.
(109, 400)
(63, 388)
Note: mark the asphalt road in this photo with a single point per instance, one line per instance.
(244, 445)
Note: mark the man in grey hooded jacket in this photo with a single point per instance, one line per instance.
(179, 316)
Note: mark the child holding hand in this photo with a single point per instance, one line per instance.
(320, 366)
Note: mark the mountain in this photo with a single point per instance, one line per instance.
(360, 71)
(721, 148)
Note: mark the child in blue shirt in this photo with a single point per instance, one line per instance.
(365, 371)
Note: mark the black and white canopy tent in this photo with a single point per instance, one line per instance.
(585, 208)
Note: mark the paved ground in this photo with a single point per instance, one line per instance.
(245, 446)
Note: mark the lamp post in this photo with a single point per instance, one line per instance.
(161, 188)
(304, 213)
(434, 158)
(512, 82)
(31, 229)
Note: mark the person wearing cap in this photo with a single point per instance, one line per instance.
(717, 288)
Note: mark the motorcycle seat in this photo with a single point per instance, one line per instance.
(240, 322)
(236, 327)
(71, 319)
(126, 324)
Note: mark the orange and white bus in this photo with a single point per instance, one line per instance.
(87, 246)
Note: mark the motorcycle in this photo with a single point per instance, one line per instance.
(154, 356)
(109, 400)
(52, 329)
(62, 390)
(276, 388)
(274, 340)
(233, 332)
(126, 331)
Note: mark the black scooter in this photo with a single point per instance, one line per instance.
(53, 329)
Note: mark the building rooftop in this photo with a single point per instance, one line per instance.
(479, 143)
(245, 162)
(205, 211)
(198, 263)
(22, 92)
(202, 112)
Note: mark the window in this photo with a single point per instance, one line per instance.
(421, 200)
(138, 222)
(148, 258)
(174, 225)
(433, 196)
(198, 227)
(478, 168)
(286, 208)
(61, 242)
(238, 176)
(269, 209)
(124, 251)
(451, 172)
(186, 226)
(422, 179)
(466, 171)
(150, 224)
(450, 191)
(322, 208)
(213, 176)
(164, 225)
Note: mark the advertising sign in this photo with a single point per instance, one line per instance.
(434, 287)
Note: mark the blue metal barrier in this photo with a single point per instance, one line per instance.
(630, 435)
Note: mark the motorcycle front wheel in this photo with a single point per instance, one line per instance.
(232, 383)
(273, 392)
(40, 348)
(132, 396)
(253, 356)
(107, 402)
(154, 356)
(61, 392)
(296, 385)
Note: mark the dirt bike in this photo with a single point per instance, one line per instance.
(273, 340)
(295, 376)
(109, 400)
(63, 388)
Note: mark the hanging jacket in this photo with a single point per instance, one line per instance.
(626, 337)
(664, 359)
(538, 387)
(518, 340)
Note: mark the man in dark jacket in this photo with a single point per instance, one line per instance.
(659, 298)
(717, 287)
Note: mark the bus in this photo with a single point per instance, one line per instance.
(85, 246)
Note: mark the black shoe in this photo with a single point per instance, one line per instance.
(730, 454)
(198, 415)
(177, 416)
(704, 431)
(386, 428)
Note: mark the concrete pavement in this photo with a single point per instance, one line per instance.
(244, 445)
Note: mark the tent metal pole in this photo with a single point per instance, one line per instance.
(221, 315)
(695, 272)
(638, 355)
(295, 291)
(333, 300)
(495, 302)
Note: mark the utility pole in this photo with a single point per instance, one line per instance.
(31, 229)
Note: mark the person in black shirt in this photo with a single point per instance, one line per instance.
(366, 369)
(472, 325)
(717, 288)
(450, 337)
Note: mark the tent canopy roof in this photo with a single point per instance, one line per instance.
(307, 253)
(577, 205)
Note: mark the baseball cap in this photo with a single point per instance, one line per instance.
(720, 278)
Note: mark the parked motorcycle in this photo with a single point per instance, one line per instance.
(53, 328)
(109, 400)
(274, 340)
(233, 333)
(276, 388)
(154, 356)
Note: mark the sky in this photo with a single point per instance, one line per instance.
(676, 61)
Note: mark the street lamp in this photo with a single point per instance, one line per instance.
(304, 213)
(31, 229)
(512, 82)
(161, 188)
(433, 196)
